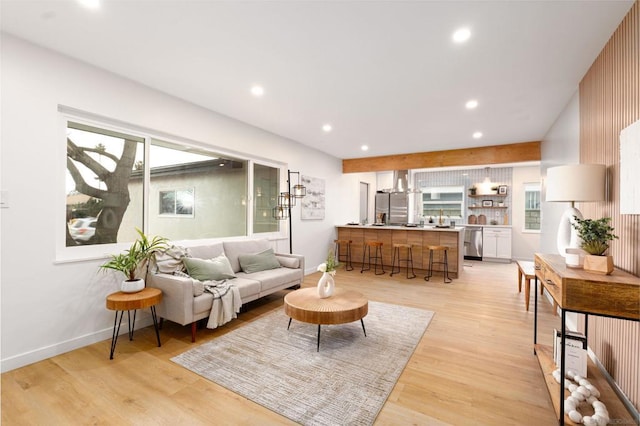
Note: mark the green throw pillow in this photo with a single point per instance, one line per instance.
(216, 269)
(262, 261)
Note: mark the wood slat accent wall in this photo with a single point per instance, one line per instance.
(486, 155)
(609, 102)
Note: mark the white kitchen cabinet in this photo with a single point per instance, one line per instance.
(496, 244)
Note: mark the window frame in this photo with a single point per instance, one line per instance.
(175, 213)
(64, 254)
(531, 187)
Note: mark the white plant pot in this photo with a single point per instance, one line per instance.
(574, 258)
(134, 286)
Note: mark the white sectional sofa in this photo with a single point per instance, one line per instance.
(183, 301)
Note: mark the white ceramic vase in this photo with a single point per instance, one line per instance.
(326, 285)
(132, 286)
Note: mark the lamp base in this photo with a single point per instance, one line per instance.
(575, 258)
(567, 234)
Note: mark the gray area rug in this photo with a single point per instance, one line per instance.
(347, 382)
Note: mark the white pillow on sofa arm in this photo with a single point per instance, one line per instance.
(288, 262)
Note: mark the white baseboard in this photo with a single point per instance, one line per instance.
(20, 360)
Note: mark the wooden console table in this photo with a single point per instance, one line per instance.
(576, 290)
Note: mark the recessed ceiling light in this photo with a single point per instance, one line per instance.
(461, 35)
(90, 4)
(327, 127)
(257, 91)
(364, 148)
(477, 135)
(471, 104)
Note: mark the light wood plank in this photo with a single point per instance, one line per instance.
(474, 364)
(496, 154)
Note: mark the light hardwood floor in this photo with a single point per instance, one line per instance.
(473, 366)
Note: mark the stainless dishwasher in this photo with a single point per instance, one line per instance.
(473, 242)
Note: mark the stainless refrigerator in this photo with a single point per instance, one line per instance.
(394, 207)
(382, 208)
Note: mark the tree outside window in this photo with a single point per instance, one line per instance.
(100, 164)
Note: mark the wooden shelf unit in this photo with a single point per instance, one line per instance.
(486, 195)
(492, 207)
(615, 407)
(576, 290)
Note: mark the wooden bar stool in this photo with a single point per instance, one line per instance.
(398, 259)
(377, 256)
(346, 257)
(445, 263)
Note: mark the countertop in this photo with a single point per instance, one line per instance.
(477, 225)
(427, 227)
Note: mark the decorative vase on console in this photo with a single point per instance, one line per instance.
(326, 284)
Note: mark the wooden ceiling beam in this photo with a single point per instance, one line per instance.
(487, 155)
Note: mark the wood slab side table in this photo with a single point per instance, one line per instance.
(120, 302)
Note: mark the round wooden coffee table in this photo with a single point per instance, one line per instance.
(342, 307)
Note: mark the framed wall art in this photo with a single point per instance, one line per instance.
(313, 202)
(502, 190)
(487, 203)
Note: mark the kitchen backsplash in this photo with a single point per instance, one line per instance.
(468, 178)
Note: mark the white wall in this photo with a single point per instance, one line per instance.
(48, 307)
(561, 145)
(524, 243)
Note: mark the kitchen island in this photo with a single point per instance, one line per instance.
(419, 237)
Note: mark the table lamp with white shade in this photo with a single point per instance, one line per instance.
(574, 183)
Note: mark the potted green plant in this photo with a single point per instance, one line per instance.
(595, 235)
(134, 261)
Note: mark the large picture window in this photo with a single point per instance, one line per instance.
(208, 188)
(118, 181)
(266, 184)
(100, 165)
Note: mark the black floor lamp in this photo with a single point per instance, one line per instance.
(286, 200)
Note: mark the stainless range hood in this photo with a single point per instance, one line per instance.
(398, 199)
(400, 180)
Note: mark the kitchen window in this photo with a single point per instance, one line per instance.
(445, 200)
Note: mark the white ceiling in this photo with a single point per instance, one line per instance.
(383, 73)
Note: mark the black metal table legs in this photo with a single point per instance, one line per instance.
(318, 338)
(131, 324)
